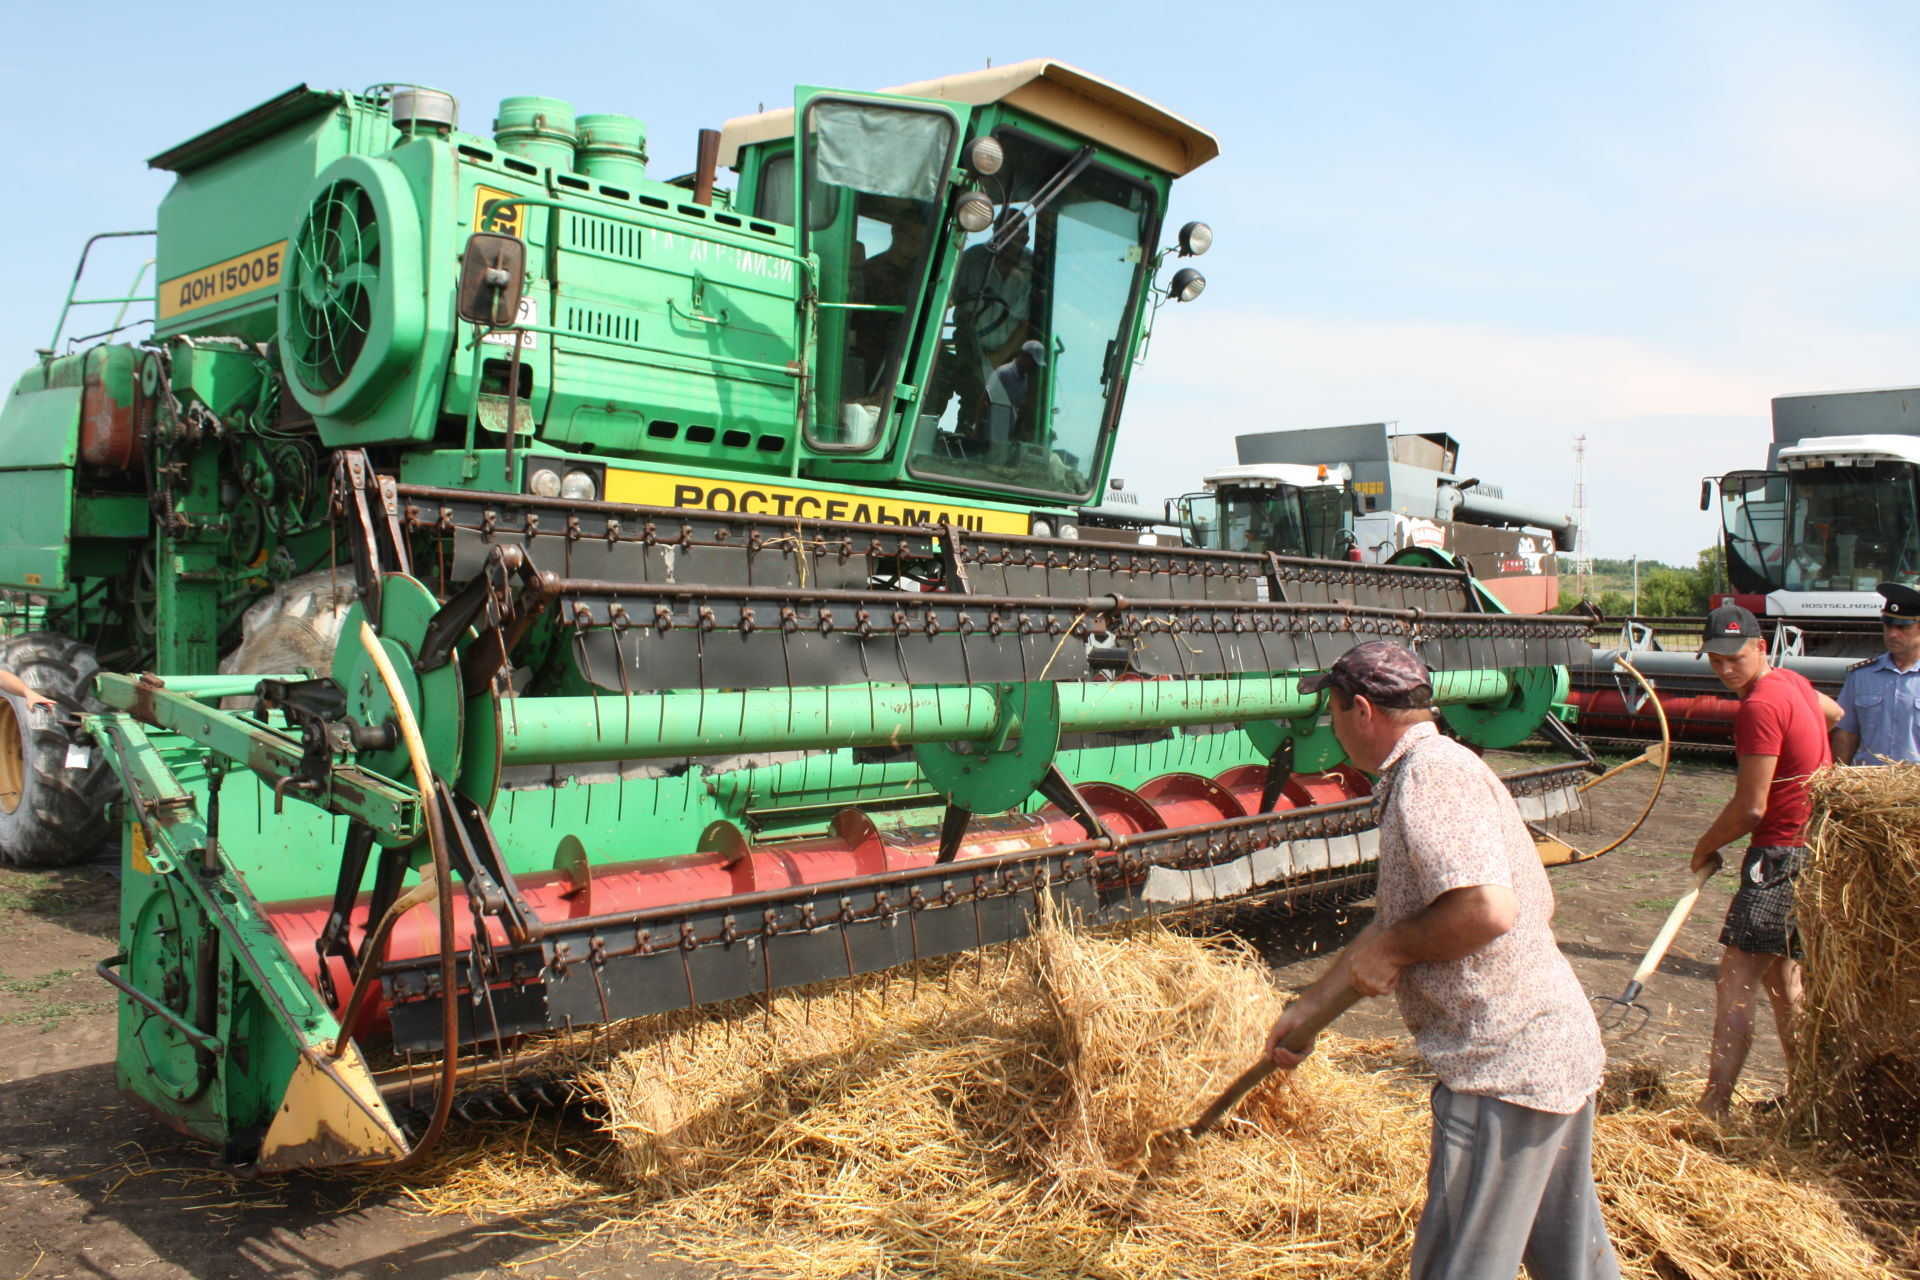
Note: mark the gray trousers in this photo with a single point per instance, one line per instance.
(1507, 1184)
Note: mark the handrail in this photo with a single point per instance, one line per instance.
(80, 270)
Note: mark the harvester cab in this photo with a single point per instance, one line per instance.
(1806, 539)
(532, 595)
(1291, 508)
(1836, 513)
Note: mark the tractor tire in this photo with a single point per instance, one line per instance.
(50, 815)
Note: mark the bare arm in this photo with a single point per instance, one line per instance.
(13, 684)
(1831, 710)
(1457, 923)
(1845, 746)
(1742, 813)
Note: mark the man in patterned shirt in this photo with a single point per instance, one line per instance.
(1461, 935)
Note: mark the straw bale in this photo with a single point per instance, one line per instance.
(1856, 1076)
(996, 1117)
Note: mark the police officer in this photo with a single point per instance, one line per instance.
(1881, 699)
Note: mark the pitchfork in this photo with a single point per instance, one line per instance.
(1300, 1040)
(1616, 1012)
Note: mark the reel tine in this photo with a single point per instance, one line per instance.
(599, 990)
(616, 613)
(786, 663)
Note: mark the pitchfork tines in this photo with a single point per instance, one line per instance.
(1616, 1013)
(1623, 1014)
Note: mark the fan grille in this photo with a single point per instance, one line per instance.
(336, 269)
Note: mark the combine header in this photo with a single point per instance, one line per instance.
(578, 596)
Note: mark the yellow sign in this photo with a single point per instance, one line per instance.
(702, 493)
(507, 222)
(223, 281)
(1374, 487)
(137, 848)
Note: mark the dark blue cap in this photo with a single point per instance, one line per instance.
(1903, 602)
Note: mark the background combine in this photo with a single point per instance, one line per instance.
(1835, 512)
(1367, 493)
(575, 596)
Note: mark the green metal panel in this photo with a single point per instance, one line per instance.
(40, 429)
(623, 820)
(224, 224)
(688, 332)
(223, 378)
(112, 515)
(192, 937)
(36, 514)
(39, 440)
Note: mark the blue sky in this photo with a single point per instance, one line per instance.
(1516, 222)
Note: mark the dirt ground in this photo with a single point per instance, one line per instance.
(89, 1186)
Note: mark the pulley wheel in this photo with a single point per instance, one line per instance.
(406, 606)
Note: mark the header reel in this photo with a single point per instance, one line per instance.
(676, 757)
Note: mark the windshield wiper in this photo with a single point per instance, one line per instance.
(1046, 195)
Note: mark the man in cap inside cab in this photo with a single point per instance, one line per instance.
(1780, 735)
(1880, 702)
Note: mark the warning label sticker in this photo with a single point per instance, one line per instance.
(704, 493)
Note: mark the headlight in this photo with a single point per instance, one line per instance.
(1041, 527)
(974, 212)
(1195, 239)
(578, 487)
(985, 156)
(545, 483)
(1186, 285)
(1068, 530)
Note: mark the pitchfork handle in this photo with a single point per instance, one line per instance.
(1299, 1040)
(1675, 918)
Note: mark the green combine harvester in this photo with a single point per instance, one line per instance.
(509, 593)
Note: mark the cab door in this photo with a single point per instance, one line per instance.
(1199, 516)
(873, 177)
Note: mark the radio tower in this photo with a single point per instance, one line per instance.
(1583, 535)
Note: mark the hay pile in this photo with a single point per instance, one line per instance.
(1857, 1065)
(989, 1120)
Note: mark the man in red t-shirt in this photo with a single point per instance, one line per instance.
(1780, 734)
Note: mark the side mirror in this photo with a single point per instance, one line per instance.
(1706, 494)
(493, 275)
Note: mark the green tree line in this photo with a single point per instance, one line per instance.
(1666, 591)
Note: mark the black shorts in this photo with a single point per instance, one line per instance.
(1760, 919)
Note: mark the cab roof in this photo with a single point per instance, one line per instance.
(1053, 91)
(1299, 475)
